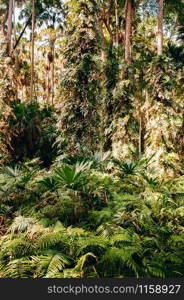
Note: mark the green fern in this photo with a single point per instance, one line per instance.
(18, 268)
(84, 261)
(96, 245)
(56, 265)
(108, 230)
(50, 240)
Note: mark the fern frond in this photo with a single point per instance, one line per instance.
(56, 265)
(50, 240)
(108, 230)
(122, 239)
(71, 273)
(18, 247)
(95, 244)
(18, 268)
(85, 259)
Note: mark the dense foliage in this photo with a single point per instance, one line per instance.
(91, 139)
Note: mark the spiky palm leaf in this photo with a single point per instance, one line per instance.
(11, 172)
(71, 176)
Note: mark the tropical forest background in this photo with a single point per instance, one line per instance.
(91, 138)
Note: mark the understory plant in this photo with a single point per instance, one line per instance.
(85, 220)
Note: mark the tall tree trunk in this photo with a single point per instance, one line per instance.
(53, 71)
(14, 24)
(32, 49)
(5, 18)
(9, 31)
(103, 41)
(15, 37)
(160, 27)
(48, 82)
(129, 15)
(117, 23)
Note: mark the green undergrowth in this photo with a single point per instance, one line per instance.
(93, 218)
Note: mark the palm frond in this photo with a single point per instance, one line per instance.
(11, 172)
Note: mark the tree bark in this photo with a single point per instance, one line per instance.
(15, 38)
(14, 24)
(10, 26)
(32, 49)
(5, 18)
(117, 23)
(160, 27)
(102, 39)
(53, 71)
(129, 15)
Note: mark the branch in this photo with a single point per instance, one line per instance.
(108, 29)
(24, 29)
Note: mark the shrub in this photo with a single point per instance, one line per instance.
(27, 131)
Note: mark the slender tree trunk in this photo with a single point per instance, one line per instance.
(48, 83)
(140, 133)
(14, 24)
(103, 40)
(108, 27)
(9, 31)
(99, 26)
(32, 49)
(160, 27)
(5, 18)
(117, 23)
(129, 15)
(53, 71)
(14, 37)
(45, 88)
